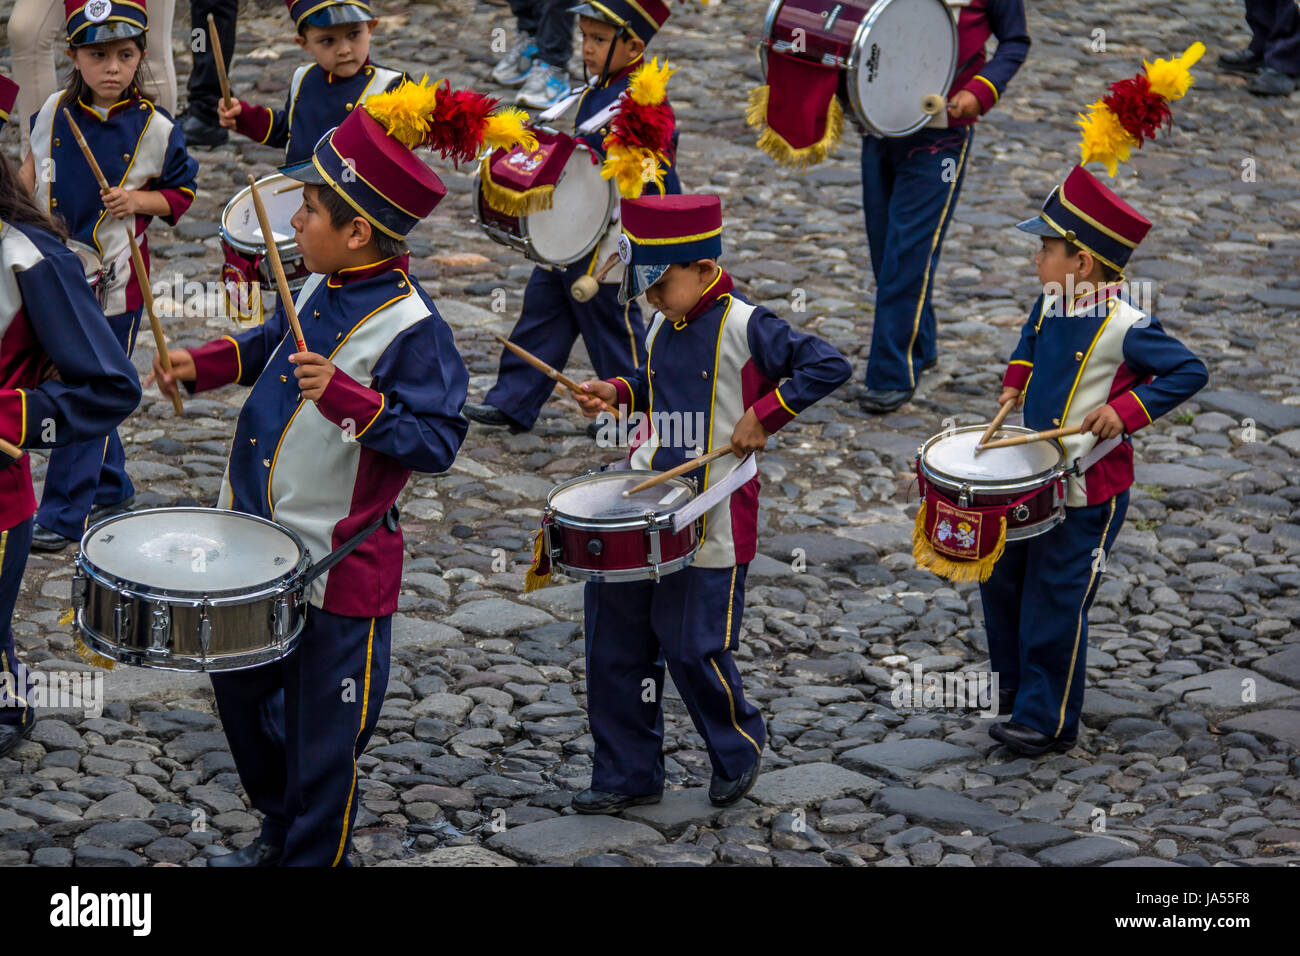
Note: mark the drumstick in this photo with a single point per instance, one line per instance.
(1036, 436)
(289, 188)
(932, 104)
(585, 288)
(994, 425)
(273, 253)
(222, 77)
(681, 469)
(551, 373)
(142, 277)
(13, 451)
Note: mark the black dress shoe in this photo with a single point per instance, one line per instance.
(491, 415)
(602, 801)
(43, 539)
(1027, 741)
(1241, 61)
(1271, 82)
(256, 853)
(724, 792)
(1006, 702)
(13, 734)
(200, 132)
(878, 401)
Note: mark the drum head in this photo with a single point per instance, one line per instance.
(579, 215)
(904, 51)
(953, 455)
(239, 220)
(192, 550)
(597, 497)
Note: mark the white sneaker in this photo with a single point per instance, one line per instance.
(512, 69)
(546, 85)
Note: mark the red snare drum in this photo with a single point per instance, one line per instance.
(892, 53)
(592, 532)
(1025, 480)
(247, 271)
(552, 204)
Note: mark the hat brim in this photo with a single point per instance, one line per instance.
(304, 172)
(1038, 226)
(106, 32)
(336, 14)
(636, 279)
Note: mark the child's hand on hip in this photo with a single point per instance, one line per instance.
(313, 373)
(1103, 422)
(748, 435)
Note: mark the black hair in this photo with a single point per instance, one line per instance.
(341, 214)
(79, 89)
(302, 27)
(1108, 273)
(18, 206)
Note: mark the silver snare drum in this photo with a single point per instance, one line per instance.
(190, 589)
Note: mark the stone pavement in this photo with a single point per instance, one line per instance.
(1192, 715)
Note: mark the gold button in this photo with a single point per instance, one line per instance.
(703, 373)
(56, 141)
(348, 105)
(1056, 421)
(317, 313)
(370, 71)
(401, 285)
(266, 462)
(337, 336)
(284, 378)
(652, 371)
(143, 106)
(252, 441)
(126, 157)
(1078, 356)
(54, 202)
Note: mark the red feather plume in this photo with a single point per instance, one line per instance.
(1139, 110)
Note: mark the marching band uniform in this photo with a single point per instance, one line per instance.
(551, 319)
(721, 359)
(910, 186)
(317, 100)
(50, 323)
(1071, 359)
(138, 146)
(398, 388)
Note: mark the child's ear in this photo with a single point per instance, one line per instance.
(635, 46)
(371, 24)
(360, 235)
(301, 41)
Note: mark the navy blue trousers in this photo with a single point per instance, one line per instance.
(909, 190)
(551, 23)
(14, 545)
(690, 621)
(1275, 33)
(90, 473)
(549, 323)
(297, 727)
(1036, 614)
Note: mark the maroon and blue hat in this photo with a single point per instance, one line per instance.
(8, 97)
(98, 21)
(641, 18)
(315, 13)
(1082, 210)
(378, 176)
(661, 230)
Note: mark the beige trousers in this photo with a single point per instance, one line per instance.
(37, 39)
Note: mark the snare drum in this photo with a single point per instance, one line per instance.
(592, 532)
(246, 271)
(892, 54)
(190, 589)
(972, 505)
(551, 204)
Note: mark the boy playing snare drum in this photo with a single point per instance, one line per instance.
(1100, 362)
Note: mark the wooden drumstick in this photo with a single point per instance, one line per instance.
(142, 277)
(289, 188)
(10, 449)
(681, 469)
(281, 283)
(584, 288)
(551, 373)
(222, 77)
(994, 425)
(1036, 436)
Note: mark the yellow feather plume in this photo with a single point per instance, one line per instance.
(508, 127)
(1171, 78)
(649, 84)
(633, 168)
(1105, 140)
(405, 111)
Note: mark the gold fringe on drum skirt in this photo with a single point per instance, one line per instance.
(512, 202)
(535, 578)
(776, 146)
(83, 651)
(954, 570)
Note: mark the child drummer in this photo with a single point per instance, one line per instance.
(324, 445)
(743, 372)
(322, 94)
(1100, 362)
(615, 34)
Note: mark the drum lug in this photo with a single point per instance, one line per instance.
(160, 630)
(121, 620)
(205, 633)
(280, 619)
(80, 585)
(655, 554)
(963, 497)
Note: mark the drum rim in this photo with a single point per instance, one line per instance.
(288, 245)
(979, 485)
(852, 61)
(612, 524)
(769, 22)
(647, 573)
(244, 660)
(215, 598)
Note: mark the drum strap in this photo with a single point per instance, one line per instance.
(389, 517)
(742, 473)
(1099, 451)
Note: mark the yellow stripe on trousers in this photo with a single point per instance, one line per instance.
(365, 704)
(1078, 625)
